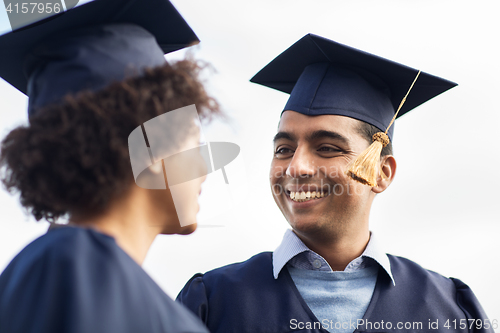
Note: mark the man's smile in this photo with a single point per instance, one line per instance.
(301, 196)
(306, 195)
(301, 193)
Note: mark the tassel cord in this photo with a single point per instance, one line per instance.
(366, 166)
(402, 102)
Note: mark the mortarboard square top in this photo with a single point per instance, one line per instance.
(120, 33)
(326, 77)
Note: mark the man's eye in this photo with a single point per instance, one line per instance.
(329, 149)
(282, 151)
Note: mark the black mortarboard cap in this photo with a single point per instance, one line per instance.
(111, 39)
(326, 77)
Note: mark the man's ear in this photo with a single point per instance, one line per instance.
(388, 166)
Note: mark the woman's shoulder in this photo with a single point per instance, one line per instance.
(65, 243)
(55, 253)
(82, 274)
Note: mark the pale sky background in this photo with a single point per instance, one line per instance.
(442, 209)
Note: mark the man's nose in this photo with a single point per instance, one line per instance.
(301, 165)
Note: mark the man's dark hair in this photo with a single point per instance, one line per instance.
(367, 131)
(73, 156)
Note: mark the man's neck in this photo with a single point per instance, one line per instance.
(338, 251)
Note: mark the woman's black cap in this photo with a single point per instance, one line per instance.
(89, 46)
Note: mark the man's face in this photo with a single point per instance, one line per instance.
(310, 155)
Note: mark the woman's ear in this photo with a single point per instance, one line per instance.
(388, 166)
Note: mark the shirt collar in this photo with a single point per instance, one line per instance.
(292, 246)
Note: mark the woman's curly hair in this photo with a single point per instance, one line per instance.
(74, 155)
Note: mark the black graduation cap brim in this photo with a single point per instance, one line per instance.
(159, 17)
(283, 72)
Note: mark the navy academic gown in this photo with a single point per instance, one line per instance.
(245, 297)
(74, 280)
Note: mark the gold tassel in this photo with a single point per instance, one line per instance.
(366, 167)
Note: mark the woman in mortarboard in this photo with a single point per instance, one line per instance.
(89, 90)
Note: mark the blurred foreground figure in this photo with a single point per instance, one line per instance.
(329, 274)
(93, 76)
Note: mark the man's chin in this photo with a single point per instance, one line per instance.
(304, 224)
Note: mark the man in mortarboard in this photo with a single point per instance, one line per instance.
(329, 274)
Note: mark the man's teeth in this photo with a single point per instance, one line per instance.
(306, 196)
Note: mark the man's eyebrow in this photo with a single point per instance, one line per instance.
(327, 134)
(284, 135)
(319, 134)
